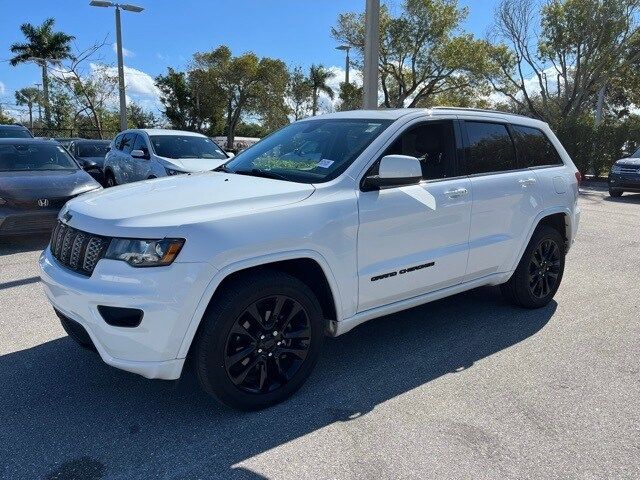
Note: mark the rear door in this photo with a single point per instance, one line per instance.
(414, 239)
(506, 198)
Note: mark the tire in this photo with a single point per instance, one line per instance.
(109, 180)
(537, 277)
(250, 365)
(615, 193)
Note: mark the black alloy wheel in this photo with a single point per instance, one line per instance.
(259, 339)
(544, 268)
(267, 344)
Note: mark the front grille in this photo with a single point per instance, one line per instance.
(77, 250)
(629, 169)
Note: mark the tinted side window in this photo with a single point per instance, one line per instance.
(433, 143)
(140, 144)
(534, 148)
(490, 148)
(126, 145)
(118, 139)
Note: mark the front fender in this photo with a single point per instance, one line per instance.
(244, 264)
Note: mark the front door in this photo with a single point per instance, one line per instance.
(414, 239)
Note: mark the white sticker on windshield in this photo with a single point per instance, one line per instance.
(324, 163)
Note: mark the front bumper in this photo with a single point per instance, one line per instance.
(628, 182)
(20, 221)
(168, 296)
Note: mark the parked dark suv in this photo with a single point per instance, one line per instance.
(14, 131)
(625, 175)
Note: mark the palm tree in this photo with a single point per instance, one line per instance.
(43, 46)
(28, 96)
(319, 76)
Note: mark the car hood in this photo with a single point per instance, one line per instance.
(192, 165)
(629, 161)
(179, 200)
(53, 184)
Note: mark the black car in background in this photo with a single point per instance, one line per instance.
(14, 131)
(90, 154)
(37, 177)
(625, 175)
(65, 142)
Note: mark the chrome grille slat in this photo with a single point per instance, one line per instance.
(77, 250)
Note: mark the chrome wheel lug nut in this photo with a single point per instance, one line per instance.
(259, 350)
(261, 337)
(270, 354)
(275, 332)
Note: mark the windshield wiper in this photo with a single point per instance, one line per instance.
(256, 172)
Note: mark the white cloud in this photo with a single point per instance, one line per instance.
(2, 88)
(125, 52)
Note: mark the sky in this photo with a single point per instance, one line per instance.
(168, 32)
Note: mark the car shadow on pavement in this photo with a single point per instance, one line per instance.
(23, 243)
(67, 415)
(626, 198)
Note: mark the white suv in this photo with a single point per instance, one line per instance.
(323, 225)
(151, 153)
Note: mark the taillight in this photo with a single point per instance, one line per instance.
(578, 177)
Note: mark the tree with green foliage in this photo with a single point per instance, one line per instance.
(5, 117)
(555, 69)
(137, 117)
(422, 51)
(318, 77)
(299, 93)
(350, 97)
(43, 46)
(176, 98)
(248, 85)
(28, 97)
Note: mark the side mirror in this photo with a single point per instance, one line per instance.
(394, 171)
(230, 154)
(139, 154)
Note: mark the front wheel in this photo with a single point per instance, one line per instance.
(110, 180)
(260, 339)
(539, 273)
(615, 193)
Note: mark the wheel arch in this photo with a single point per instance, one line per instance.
(309, 267)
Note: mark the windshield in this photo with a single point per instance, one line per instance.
(42, 156)
(93, 149)
(186, 146)
(308, 152)
(14, 133)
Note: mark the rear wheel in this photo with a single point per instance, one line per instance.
(110, 180)
(539, 273)
(615, 193)
(259, 341)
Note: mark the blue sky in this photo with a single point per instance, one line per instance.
(168, 32)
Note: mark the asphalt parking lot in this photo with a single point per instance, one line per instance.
(467, 387)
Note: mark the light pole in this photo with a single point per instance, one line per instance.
(345, 48)
(371, 53)
(128, 8)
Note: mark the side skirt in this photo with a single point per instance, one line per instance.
(343, 326)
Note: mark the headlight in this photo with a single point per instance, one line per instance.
(172, 172)
(145, 253)
(616, 169)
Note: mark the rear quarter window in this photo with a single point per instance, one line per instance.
(534, 147)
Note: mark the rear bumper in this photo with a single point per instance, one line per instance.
(168, 296)
(15, 221)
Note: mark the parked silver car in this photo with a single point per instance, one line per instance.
(150, 153)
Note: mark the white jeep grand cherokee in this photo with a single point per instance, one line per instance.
(323, 225)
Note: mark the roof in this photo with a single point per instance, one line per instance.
(27, 141)
(17, 127)
(165, 131)
(395, 114)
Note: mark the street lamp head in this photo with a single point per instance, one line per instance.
(343, 47)
(100, 3)
(131, 8)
